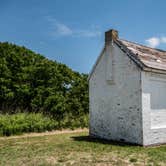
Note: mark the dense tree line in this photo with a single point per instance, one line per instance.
(31, 83)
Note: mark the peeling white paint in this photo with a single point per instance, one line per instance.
(154, 108)
(115, 109)
(122, 110)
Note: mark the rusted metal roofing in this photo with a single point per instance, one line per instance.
(144, 56)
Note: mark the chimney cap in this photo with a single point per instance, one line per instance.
(110, 35)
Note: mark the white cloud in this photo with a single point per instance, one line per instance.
(155, 41)
(59, 29)
(163, 39)
(62, 29)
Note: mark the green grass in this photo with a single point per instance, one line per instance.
(76, 149)
(19, 123)
(25, 122)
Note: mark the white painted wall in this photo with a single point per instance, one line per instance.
(115, 105)
(154, 108)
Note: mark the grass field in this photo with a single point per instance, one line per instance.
(75, 149)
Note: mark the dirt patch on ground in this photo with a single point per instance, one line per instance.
(46, 133)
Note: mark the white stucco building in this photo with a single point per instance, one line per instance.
(127, 88)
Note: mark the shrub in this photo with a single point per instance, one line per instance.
(25, 122)
(29, 82)
(15, 124)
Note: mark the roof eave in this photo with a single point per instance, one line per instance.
(153, 70)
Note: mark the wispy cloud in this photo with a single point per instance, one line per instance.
(87, 33)
(62, 29)
(155, 41)
(59, 29)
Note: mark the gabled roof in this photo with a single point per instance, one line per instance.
(148, 59)
(144, 56)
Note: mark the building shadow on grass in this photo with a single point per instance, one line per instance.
(102, 141)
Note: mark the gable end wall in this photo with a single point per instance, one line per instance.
(115, 108)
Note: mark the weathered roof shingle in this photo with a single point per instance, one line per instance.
(143, 55)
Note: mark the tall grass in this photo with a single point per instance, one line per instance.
(15, 124)
(25, 122)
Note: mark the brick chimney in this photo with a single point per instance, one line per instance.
(111, 35)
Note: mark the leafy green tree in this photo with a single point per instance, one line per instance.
(31, 83)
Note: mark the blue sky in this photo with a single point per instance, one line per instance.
(72, 31)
